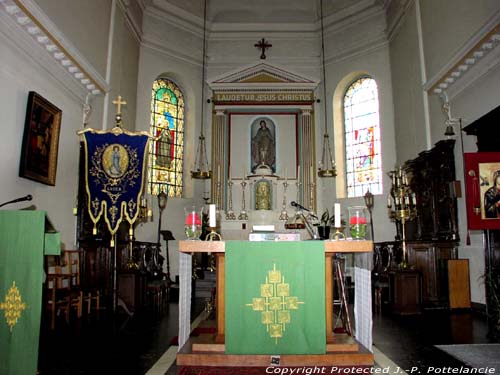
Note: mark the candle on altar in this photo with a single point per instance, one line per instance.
(389, 202)
(336, 211)
(298, 173)
(211, 216)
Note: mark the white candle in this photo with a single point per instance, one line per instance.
(285, 175)
(211, 216)
(336, 211)
(389, 202)
(298, 173)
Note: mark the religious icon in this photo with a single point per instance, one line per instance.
(263, 146)
(40, 141)
(491, 194)
(263, 195)
(115, 160)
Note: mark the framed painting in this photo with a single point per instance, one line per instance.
(40, 140)
(482, 185)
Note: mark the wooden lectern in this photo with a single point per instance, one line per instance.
(25, 237)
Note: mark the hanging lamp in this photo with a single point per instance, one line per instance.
(201, 168)
(327, 164)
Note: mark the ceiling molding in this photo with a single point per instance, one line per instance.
(396, 12)
(470, 62)
(158, 46)
(176, 17)
(32, 22)
(133, 17)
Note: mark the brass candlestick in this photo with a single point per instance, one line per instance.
(243, 214)
(230, 215)
(404, 202)
(284, 213)
(213, 235)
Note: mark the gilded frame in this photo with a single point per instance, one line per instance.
(40, 140)
(481, 171)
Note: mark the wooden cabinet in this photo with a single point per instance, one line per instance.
(132, 289)
(430, 259)
(406, 291)
(432, 178)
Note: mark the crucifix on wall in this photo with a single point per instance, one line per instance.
(263, 45)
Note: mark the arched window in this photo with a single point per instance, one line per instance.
(362, 138)
(166, 154)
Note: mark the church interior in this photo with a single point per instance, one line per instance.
(368, 125)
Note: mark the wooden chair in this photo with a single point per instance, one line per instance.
(58, 294)
(91, 298)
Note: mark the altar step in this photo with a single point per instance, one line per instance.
(204, 351)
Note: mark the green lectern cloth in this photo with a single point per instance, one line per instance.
(21, 277)
(275, 297)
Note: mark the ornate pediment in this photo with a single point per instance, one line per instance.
(262, 83)
(262, 75)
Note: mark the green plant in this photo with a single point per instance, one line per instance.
(326, 219)
(492, 281)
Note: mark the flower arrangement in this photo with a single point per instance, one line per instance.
(357, 224)
(192, 226)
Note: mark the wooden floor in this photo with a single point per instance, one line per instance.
(204, 351)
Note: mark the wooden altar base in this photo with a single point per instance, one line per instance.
(204, 351)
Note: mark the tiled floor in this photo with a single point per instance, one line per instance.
(133, 345)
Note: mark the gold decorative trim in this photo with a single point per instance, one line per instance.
(13, 306)
(275, 304)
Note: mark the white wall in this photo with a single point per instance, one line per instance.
(57, 200)
(86, 24)
(445, 29)
(27, 66)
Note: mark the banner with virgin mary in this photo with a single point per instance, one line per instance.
(115, 164)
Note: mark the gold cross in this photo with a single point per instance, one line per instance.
(119, 103)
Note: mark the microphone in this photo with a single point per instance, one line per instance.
(22, 199)
(295, 204)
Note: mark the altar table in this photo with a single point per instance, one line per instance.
(186, 248)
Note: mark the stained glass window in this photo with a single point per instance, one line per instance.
(166, 153)
(362, 138)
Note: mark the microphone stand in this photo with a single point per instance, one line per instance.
(26, 198)
(309, 227)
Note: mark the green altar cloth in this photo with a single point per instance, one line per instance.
(275, 297)
(22, 243)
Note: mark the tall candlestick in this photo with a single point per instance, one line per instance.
(336, 211)
(211, 216)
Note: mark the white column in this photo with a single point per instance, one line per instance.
(218, 159)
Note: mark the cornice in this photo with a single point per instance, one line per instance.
(32, 29)
(399, 10)
(470, 62)
(160, 47)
